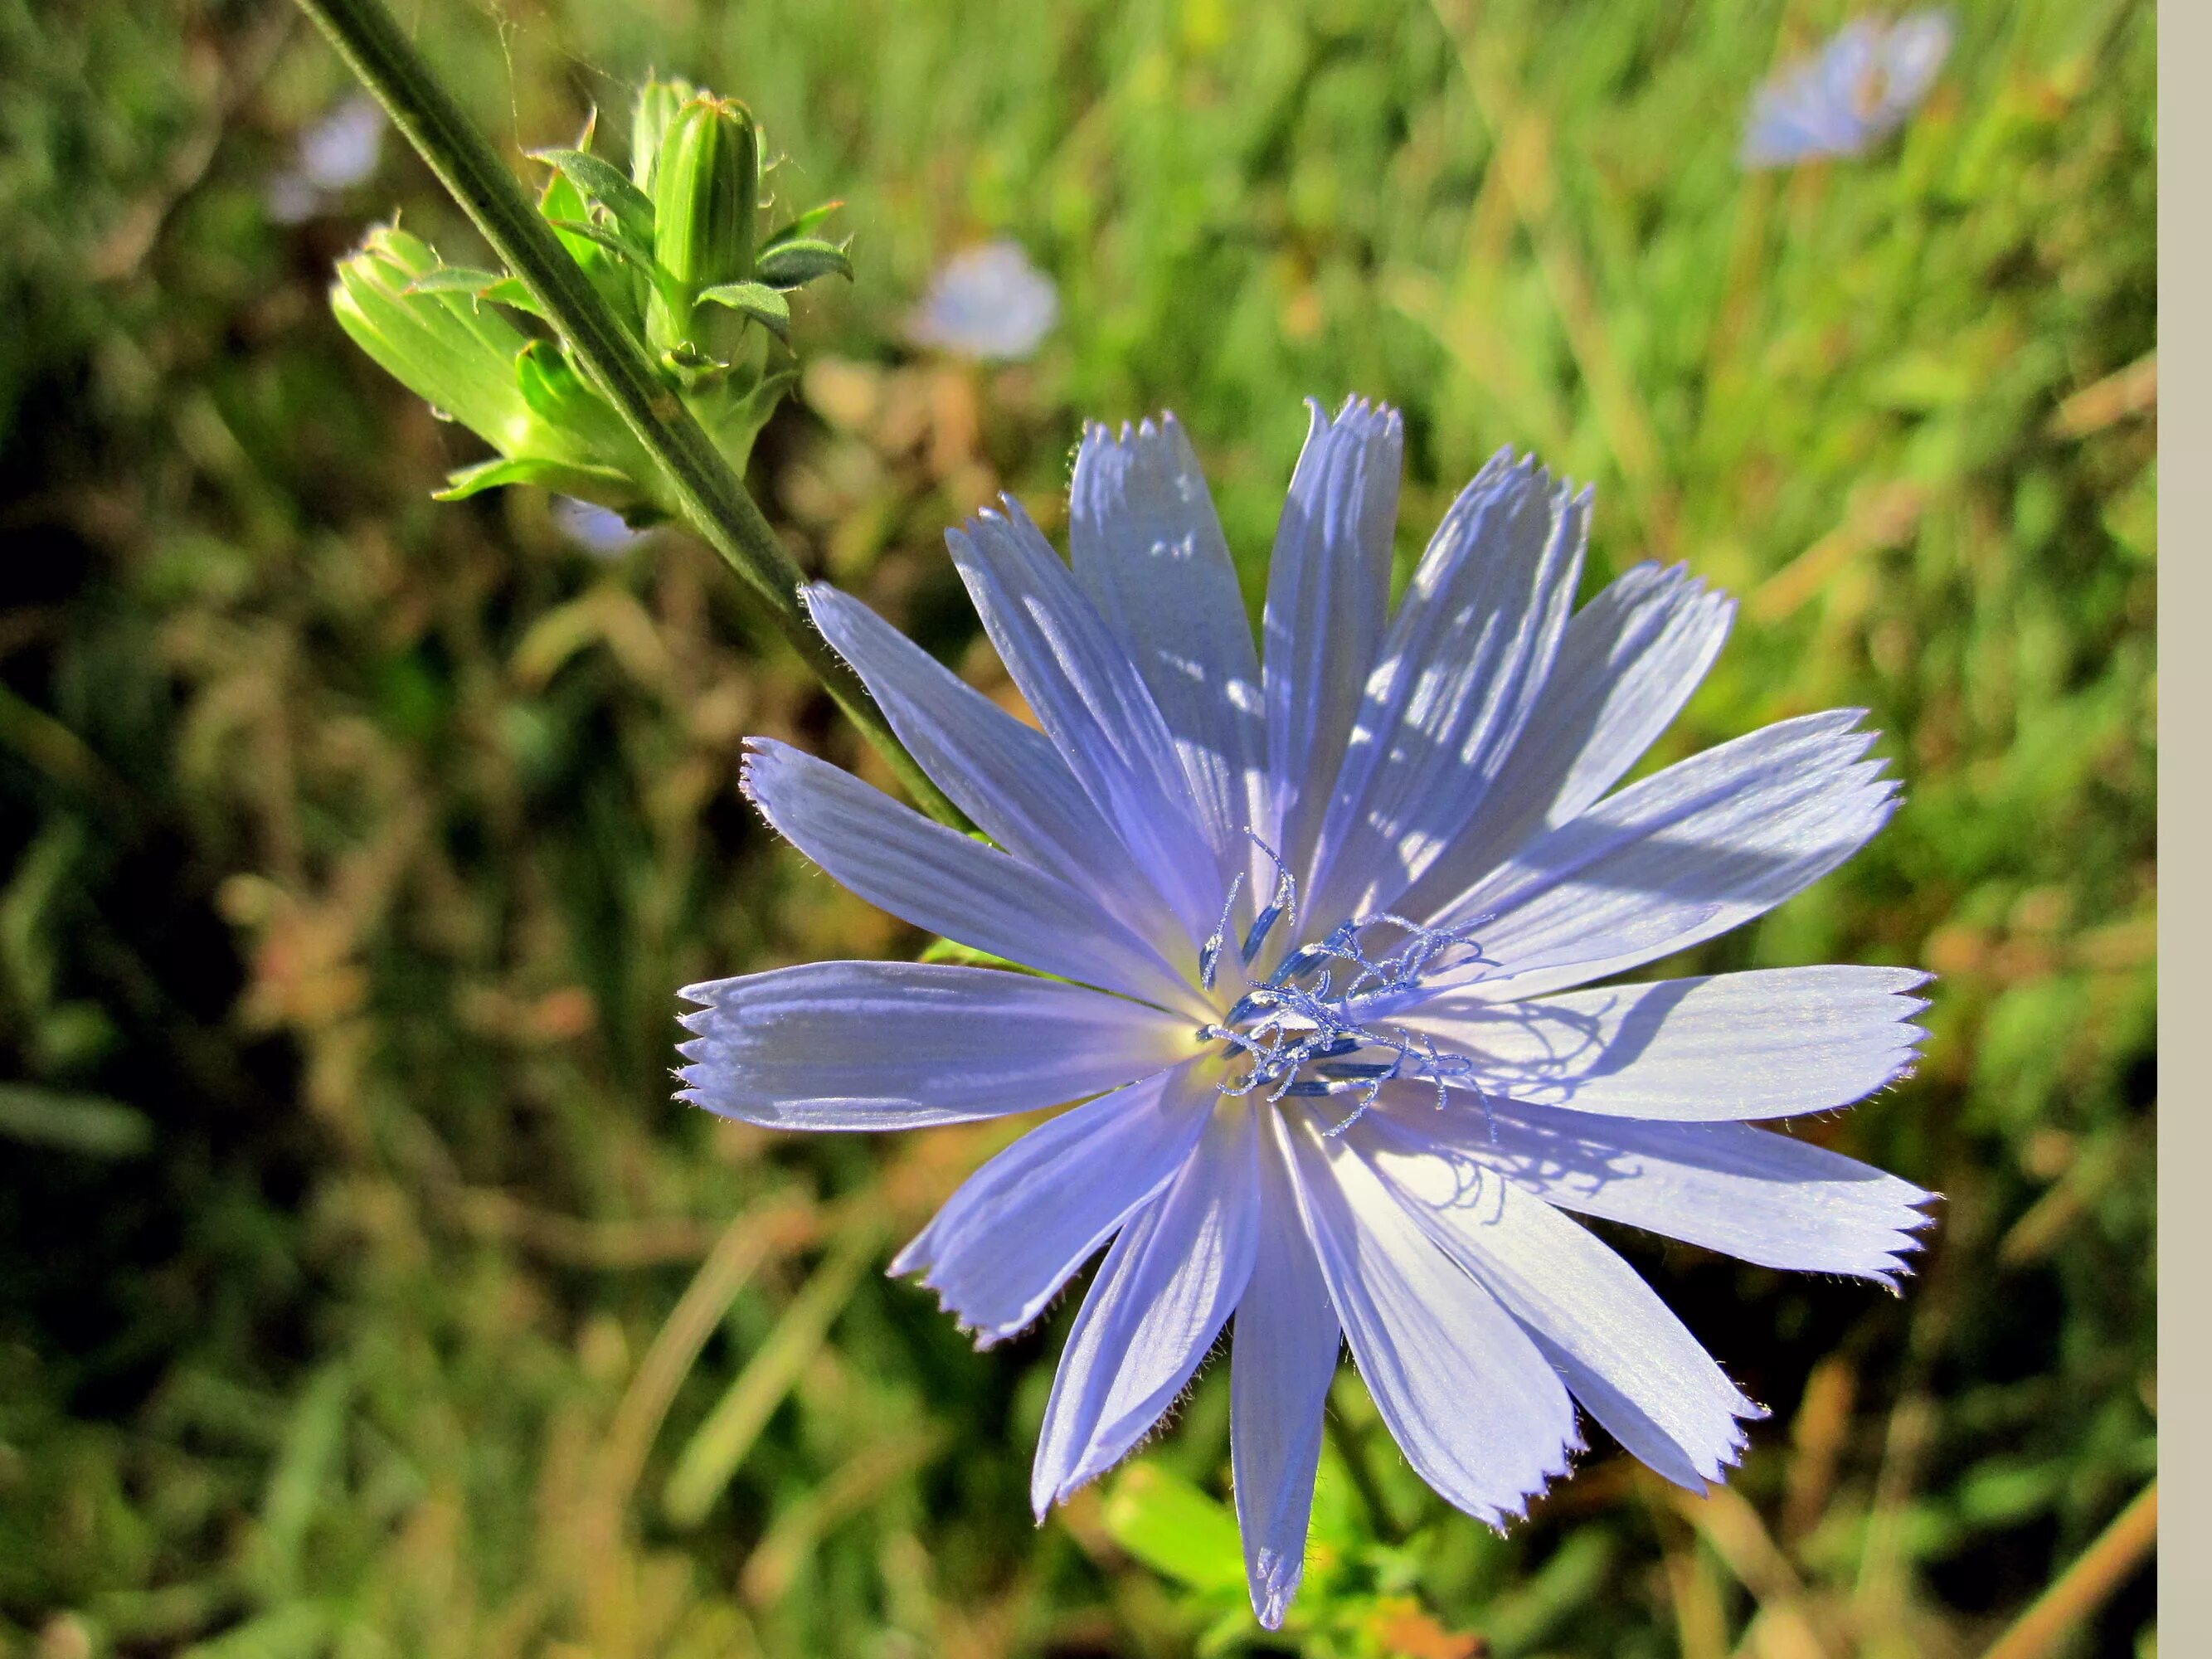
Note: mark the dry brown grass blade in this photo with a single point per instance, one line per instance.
(1881, 518)
(646, 1241)
(2130, 391)
(1817, 1436)
(720, 1444)
(1880, 1596)
(1726, 1520)
(2083, 1588)
(1694, 1593)
(749, 1241)
(620, 1594)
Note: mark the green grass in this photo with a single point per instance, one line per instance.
(360, 1291)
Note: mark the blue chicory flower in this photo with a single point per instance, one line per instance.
(987, 302)
(1308, 924)
(1859, 88)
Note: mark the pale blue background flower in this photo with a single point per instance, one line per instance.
(1324, 915)
(599, 530)
(988, 302)
(1870, 75)
(337, 152)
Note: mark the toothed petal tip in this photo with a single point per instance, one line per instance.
(1273, 1583)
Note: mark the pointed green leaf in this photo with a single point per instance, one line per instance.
(804, 226)
(603, 184)
(561, 203)
(591, 483)
(761, 303)
(467, 481)
(631, 262)
(801, 260)
(454, 279)
(612, 238)
(509, 291)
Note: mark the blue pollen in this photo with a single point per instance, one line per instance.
(1300, 1028)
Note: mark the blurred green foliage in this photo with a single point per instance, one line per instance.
(360, 1291)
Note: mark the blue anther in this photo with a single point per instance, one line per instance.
(1285, 902)
(1262, 925)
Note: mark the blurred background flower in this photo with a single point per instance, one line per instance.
(337, 154)
(599, 530)
(988, 302)
(1859, 88)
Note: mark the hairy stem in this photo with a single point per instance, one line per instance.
(713, 497)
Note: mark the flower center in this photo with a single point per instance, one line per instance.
(1317, 1024)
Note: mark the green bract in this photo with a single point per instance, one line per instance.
(657, 103)
(672, 246)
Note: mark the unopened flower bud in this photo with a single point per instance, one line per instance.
(706, 191)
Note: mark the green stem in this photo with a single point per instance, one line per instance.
(711, 493)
